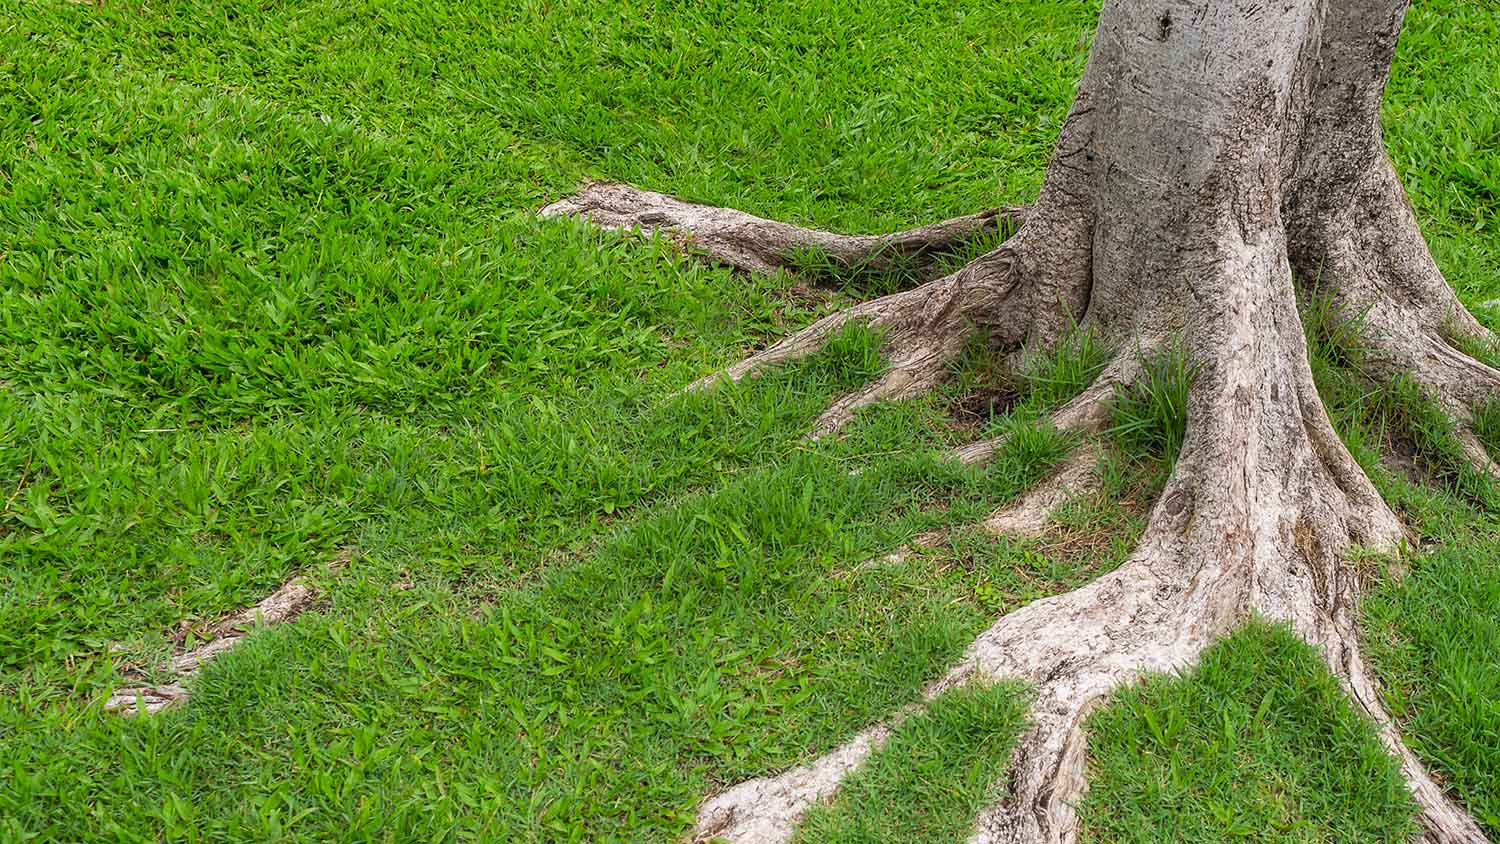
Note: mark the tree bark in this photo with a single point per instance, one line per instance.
(1218, 155)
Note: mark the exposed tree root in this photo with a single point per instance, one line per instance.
(1441, 820)
(1031, 515)
(765, 811)
(290, 600)
(924, 330)
(750, 243)
(1086, 413)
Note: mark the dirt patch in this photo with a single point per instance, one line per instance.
(977, 407)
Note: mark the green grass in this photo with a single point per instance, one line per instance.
(1256, 743)
(1431, 632)
(272, 290)
(1149, 416)
(931, 777)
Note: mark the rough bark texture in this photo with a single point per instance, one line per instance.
(755, 244)
(1218, 154)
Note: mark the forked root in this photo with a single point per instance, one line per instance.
(924, 330)
(754, 244)
(1071, 648)
(911, 372)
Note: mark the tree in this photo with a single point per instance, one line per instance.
(1218, 155)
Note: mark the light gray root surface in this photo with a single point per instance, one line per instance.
(1214, 148)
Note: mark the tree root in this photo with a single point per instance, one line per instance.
(1086, 413)
(764, 811)
(1031, 515)
(924, 330)
(1441, 820)
(290, 600)
(753, 244)
(1262, 508)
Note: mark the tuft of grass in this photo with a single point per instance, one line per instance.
(1149, 416)
(1060, 374)
(1256, 743)
(1332, 337)
(1402, 416)
(934, 773)
(872, 276)
(1484, 350)
(1486, 425)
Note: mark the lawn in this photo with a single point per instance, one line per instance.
(273, 295)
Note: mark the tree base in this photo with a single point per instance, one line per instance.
(1263, 506)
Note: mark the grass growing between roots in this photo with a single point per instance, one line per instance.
(1256, 743)
(272, 292)
(931, 777)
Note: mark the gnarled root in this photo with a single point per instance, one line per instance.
(753, 244)
(924, 330)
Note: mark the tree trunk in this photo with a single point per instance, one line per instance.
(1214, 149)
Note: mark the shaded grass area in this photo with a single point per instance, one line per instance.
(270, 287)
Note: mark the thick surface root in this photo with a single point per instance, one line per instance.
(290, 600)
(754, 244)
(1263, 506)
